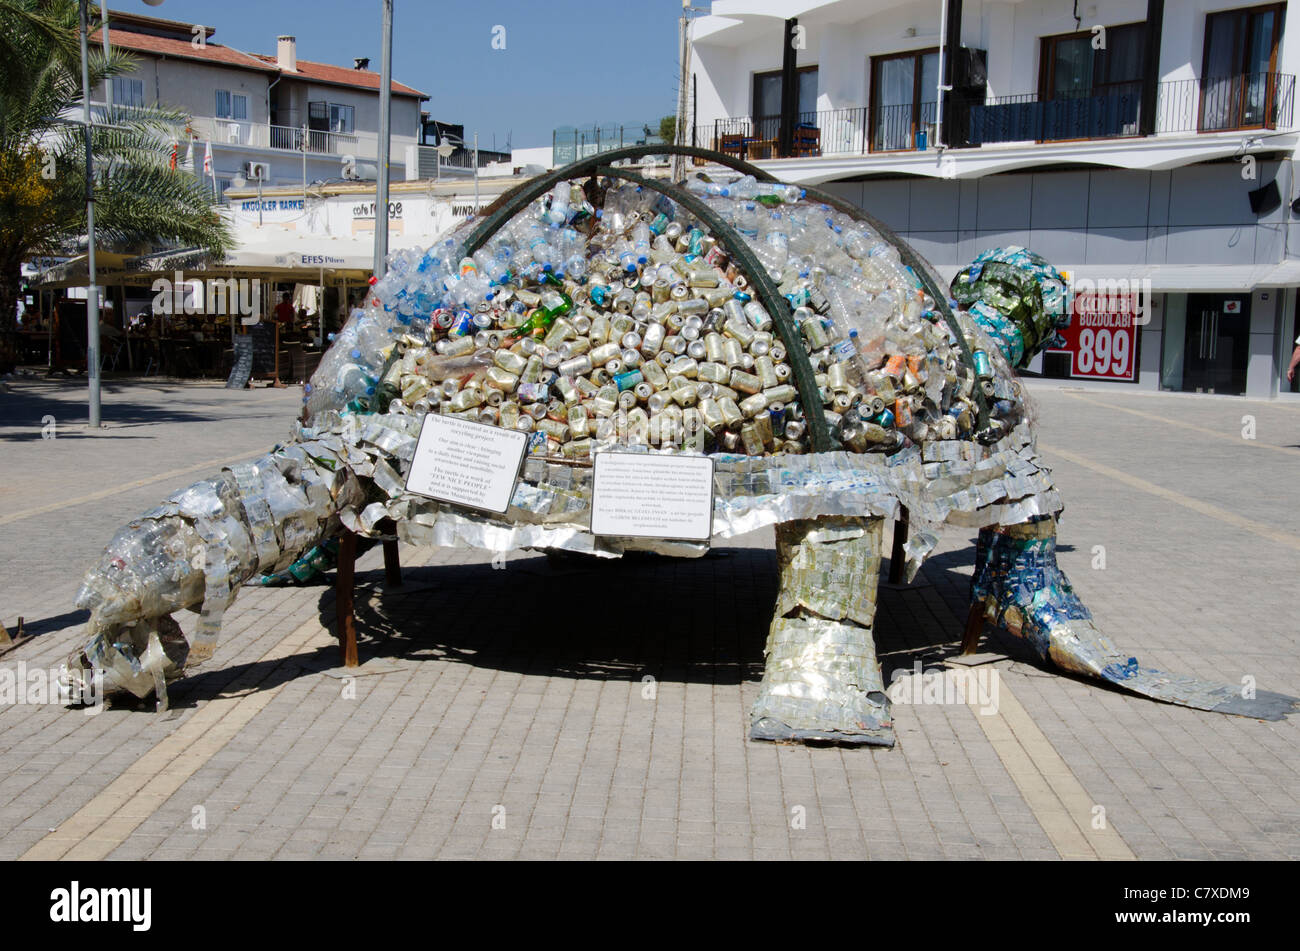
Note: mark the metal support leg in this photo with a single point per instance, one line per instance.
(392, 564)
(345, 617)
(970, 638)
(822, 680)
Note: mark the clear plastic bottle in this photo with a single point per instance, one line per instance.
(558, 213)
(641, 241)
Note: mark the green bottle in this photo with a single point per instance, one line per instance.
(554, 303)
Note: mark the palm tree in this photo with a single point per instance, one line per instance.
(140, 200)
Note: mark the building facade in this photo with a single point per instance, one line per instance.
(299, 119)
(1144, 147)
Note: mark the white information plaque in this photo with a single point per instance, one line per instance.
(471, 464)
(638, 495)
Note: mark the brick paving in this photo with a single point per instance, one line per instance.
(564, 709)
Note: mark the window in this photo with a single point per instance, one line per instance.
(341, 118)
(1073, 69)
(128, 92)
(766, 102)
(904, 91)
(1239, 85)
(231, 105)
(1088, 91)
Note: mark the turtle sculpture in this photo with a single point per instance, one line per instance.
(779, 330)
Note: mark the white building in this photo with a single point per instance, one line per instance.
(1136, 140)
(295, 116)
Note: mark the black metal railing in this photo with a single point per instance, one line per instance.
(825, 132)
(1100, 114)
(903, 128)
(1250, 101)
(1246, 101)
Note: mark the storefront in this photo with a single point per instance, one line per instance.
(1167, 329)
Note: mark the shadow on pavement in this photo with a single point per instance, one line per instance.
(678, 620)
(683, 620)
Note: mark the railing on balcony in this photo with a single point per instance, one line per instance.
(290, 138)
(430, 164)
(568, 144)
(296, 139)
(1249, 101)
(828, 132)
(1111, 113)
(903, 127)
(1252, 101)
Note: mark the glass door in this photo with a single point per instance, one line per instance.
(1237, 80)
(904, 93)
(1091, 93)
(1217, 343)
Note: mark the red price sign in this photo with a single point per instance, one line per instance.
(1102, 337)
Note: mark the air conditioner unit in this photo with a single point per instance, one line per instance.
(355, 171)
(257, 171)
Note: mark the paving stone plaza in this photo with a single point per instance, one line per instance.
(485, 723)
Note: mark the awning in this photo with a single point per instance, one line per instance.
(302, 254)
(75, 272)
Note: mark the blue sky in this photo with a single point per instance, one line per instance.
(564, 63)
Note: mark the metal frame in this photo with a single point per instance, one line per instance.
(517, 199)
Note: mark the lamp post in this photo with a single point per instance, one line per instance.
(683, 79)
(385, 97)
(92, 292)
(103, 33)
(441, 151)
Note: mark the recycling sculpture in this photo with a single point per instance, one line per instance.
(780, 330)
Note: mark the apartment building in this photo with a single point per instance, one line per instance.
(1142, 145)
(297, 117)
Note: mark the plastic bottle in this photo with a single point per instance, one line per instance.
(558, 213)
(641, 241)
(627, 256)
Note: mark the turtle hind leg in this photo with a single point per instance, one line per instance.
(1024, 592)
(822, 681)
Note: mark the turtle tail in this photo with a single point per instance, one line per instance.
(1019, 587)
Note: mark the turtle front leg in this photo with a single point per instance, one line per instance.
(1018, 586)
(822, 680)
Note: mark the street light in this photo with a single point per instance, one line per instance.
(381, 185)
(440, 152)
(92, 292)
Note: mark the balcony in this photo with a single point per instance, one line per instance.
(829, 132)
(1251, 101)
(1242, 102)
(286, 138)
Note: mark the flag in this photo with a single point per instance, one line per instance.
(175, 147)
(189, 155)
(207, 158)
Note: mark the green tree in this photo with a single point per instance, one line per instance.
(668, 128)
(140, 200)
